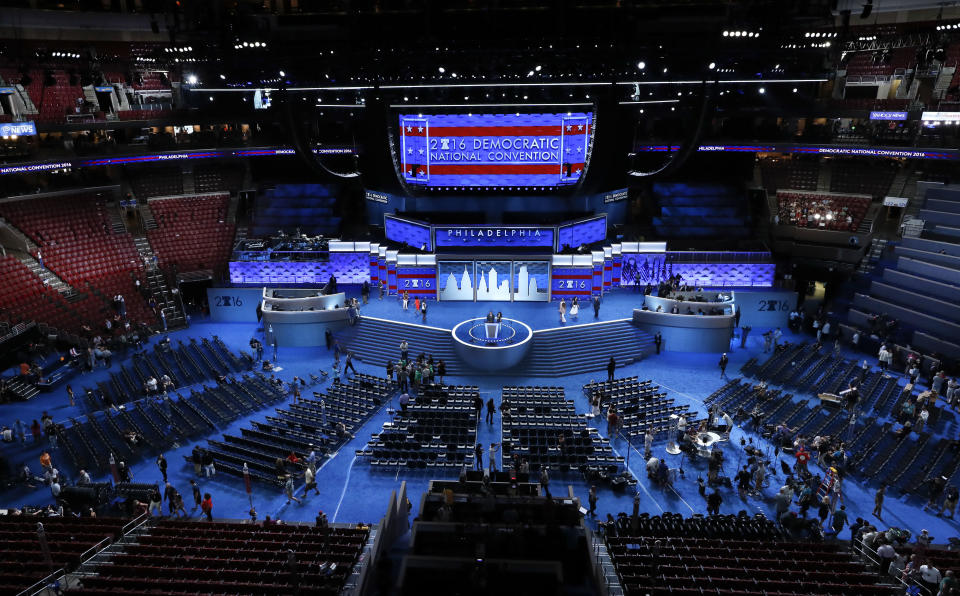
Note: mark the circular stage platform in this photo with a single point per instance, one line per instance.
(504, 347)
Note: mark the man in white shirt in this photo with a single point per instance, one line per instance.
(151, 385)
(930, 577)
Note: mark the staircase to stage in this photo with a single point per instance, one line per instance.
(562, 351)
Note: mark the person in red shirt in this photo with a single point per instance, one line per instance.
(207, 506)
(802, 458)
(292, 458)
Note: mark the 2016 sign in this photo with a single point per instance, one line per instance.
(772, 305)
(227, 301)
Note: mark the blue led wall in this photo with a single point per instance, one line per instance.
(412, 233)
(585, 232)
(494, 149)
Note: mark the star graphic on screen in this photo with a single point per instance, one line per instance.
(410, 151)
(568, 149)
(579, 127)
(579, 150)
(569, 127)
(577, 171)
(420, 151)
(409, 129)
(421, 173)
(419, 129)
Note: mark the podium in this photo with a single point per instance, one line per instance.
(493, 330)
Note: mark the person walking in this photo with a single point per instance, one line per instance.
(208, 467)
(491, 410)
(592, 499)
(348, 364)
(441, 370)
(494, 447)
(611, 367)
(562, 309)
(478, 456)
(878, 502)
(950, 502)
(658, 341)
(423, 310)
(70, 394)
(288, 488)
(648, 443)
(309, 481)
(723, 365)
(162, 464)
(155, 502)
(206, 506)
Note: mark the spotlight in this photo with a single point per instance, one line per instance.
(442, 70)
(191, 79)
(712, 65)
(794, 89)
(641, 65)
(726, 34)
(761, 90)
(283, 74)
(664, 70)
(538, 68)
(223, 77)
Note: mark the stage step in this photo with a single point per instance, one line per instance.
(563, 351)
(584, 348)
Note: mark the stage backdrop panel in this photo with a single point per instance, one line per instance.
(456, 280)
(493, 280)
(234, 305)
(531, 281)
(765, 308)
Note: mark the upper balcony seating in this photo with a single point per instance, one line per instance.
(822, 211)
(193, 233)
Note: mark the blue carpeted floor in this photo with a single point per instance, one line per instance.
(351, 492)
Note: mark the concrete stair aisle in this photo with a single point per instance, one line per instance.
(117, 223)
(585, 348)
(146, 215)
(157, 285)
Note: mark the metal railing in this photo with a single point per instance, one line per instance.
(41, 585)
(871, 556)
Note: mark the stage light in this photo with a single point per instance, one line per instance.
(283, 74)
(442, 70)
(761, 90)
(211, 98)
(453, 74)
(794, 89)
(664, 70)
(191, 79)
(538, 68)
(726, 34)
(530, 74)
(712, 65)
(405, 98)
(641, 65)
(525, 97)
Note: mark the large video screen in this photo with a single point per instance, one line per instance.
(582, 233)
(412, 233)
(482, 150)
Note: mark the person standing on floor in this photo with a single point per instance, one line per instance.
(208, 467)
(404, 350)
(723, 365)
(365, 291)
(611, 367)
(197, 500)
(478, 456)
(714, 500)
(744, 332)
(878, 502)
(658, 341)
(405, 300)
(562, 309)
(70, 394)
(348, 364)
(206, 506)
(491, 410)
(383, 288)
(423, 310)
(592, 499)
(310, 481)
(648, 443)
(494, 447)
(596, 306)
(162, 464)
(441, 370)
